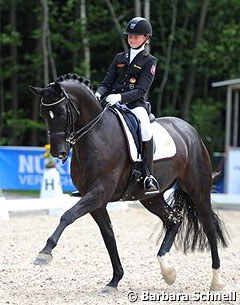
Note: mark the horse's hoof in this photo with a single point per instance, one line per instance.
(43, 259)
(217, 286)
(108, 290)
(169, 275)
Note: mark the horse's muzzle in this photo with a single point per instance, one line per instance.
(59, 147)
(60, 151)
(62, 155)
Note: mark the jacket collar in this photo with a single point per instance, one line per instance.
(127, 55)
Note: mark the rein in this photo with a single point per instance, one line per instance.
(76, 136)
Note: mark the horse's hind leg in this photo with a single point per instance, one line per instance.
(198, 188)
(172, 221)
(210, 225)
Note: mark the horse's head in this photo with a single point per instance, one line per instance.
(59, 114)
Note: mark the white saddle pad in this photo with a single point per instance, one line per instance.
(165, 146)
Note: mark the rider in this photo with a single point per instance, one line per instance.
(127, 81)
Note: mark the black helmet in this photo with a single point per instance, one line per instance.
(138, 26)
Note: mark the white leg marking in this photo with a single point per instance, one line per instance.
(168, 272)
(217, 282)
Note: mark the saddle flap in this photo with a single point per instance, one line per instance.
(131, 127)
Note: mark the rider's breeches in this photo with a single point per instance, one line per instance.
(142, 115)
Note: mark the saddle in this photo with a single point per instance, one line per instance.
(164, 146)
(132, 122)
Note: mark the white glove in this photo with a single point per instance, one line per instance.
(98, 95)
(112, 99)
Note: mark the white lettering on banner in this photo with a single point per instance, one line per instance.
(30, 164)
(31, 168)
(36, 180)
(30, 179)
(38, 164)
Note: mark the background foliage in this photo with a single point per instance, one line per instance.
(196, 43)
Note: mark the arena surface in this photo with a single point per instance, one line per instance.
(81, 266)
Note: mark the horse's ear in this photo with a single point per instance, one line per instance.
(36, 90)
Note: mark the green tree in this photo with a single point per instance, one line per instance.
(196, 43)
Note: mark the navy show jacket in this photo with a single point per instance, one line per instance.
(132, 81)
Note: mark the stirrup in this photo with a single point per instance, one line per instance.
(151, 185)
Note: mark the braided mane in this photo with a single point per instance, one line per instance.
(80, 79)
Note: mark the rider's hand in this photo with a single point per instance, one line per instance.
(112, 99)
(98, 95)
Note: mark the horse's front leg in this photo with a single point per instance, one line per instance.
(102, 219)
(87, 204)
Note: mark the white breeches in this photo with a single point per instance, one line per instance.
(142, 115)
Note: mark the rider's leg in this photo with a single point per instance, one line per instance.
(150, 183)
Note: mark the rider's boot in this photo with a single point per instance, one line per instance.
(150, 183)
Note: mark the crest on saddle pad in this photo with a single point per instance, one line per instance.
(164, 144)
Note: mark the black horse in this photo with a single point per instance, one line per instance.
(102, 171)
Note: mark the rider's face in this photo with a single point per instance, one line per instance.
(136, 41)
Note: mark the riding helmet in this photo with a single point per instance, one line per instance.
(138, 26)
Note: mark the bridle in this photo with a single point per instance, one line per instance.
(73, 136)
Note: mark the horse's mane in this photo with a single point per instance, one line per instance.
(81, 79)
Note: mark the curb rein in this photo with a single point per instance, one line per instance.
(76, 136)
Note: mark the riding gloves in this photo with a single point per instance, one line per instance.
(98, 95)
(112, 99)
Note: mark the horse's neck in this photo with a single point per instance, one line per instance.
(86, 102)
(89, 107)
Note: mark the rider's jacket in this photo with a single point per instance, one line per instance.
(132, 81)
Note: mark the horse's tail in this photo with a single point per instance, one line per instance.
(191, 235)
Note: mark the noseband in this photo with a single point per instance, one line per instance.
(73, 136)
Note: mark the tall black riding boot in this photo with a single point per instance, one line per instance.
(151, 185)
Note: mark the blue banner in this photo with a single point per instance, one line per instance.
(21, 168)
